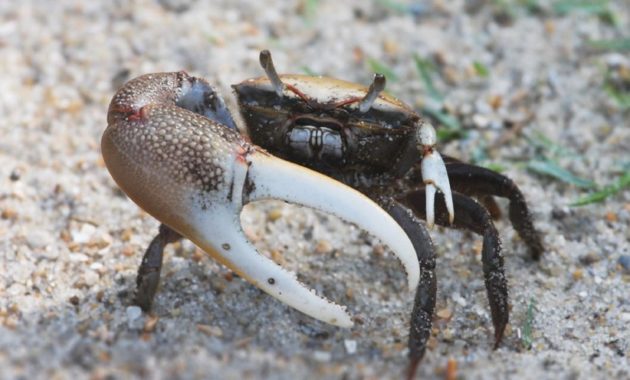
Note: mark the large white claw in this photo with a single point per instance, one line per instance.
(267, 177)
(434, 174)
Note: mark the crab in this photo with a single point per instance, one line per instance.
(174, 148)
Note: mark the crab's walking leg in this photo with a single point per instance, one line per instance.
(472, 216)
(424, 302)
(151, 266)
(474, 180)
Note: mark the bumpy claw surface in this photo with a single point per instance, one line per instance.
(194, 172)
(434, 174)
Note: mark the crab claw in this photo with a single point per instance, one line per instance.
(434, 174)
(271, 178)
(195, 175)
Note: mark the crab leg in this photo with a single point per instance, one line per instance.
(194, 175)
(473, 217)
(434, 173)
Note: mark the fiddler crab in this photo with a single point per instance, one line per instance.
(173, 147)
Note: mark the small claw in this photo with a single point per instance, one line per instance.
(434, 174)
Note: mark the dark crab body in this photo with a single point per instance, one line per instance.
(173, 147)
(322, 127)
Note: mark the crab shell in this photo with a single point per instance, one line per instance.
(370, 139)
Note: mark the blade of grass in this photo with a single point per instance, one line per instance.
(494, 166)
(443, 118)
(310, 10)
(526, 339)
(425, 69)
(563, 7)
(393, 5)
(381, 68)
(621, 97)
(615, 44)
(553, 149)
(599, 8)
(551, 169)
(599, 196)
(481, 70)
(452, 128)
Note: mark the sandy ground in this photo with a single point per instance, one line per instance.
(70, 242)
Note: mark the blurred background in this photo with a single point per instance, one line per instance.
(538, 90)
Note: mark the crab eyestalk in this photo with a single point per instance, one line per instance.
(377, 86)
(267, 64)
(433, 173)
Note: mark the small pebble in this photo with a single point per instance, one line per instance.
(38, 239)
(321, 356)
(350, 345)
(210, 330)
(90, 277)
(480, 121)
(624, 261)
(459, 299)
(15, 175)
(9, 213)
(84, 234)
(133, 313)
(323, 246)
(445, 313)
(582, 294)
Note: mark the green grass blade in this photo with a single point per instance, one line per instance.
(452, 128)
(527, 339)
(621, 97)
(615, 44)
(551, 169)
(481, 70)
(494, 166)
(563, 7)
(426, 69)
(599, 196)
